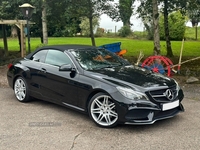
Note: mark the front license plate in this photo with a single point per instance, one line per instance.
(171, 105)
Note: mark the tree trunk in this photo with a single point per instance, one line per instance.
(44, 23)
(196, 27)
(126, 10)
(127, 23)
(19, 37)
(91, 32)
(156, 28)
(90, 17)
(5, 40)
(166, 25)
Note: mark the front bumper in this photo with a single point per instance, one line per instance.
(148, 116)
(147, 112)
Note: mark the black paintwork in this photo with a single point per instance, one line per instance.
(73, 86)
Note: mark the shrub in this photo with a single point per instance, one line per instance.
(99, 32)
(125, 31)
(176, 26)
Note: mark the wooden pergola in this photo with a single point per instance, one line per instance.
(20, 24)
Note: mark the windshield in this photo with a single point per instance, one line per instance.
(93, 59)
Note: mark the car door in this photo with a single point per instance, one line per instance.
(58, 86)
(34, 65)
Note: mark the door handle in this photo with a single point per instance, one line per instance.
(43, 70)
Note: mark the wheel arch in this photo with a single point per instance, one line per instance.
(14, 79)
(23, 72)
(92, 94)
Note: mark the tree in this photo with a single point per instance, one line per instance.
(156, 27)
(126, 11)
(169, 7)
(122, 11)
(148, 11)
(176, 26)
(166, 25)
(166, 7)
(145, 12)
(44, 22)
(85, 28)
(193, 8)
(90, 9)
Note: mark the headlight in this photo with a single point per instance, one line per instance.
(131, 94)
(177, 86)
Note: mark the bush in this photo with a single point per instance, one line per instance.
(99, 32)
(176, 26)
(125, 31)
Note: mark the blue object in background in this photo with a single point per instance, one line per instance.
(113, 47)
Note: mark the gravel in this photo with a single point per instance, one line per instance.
(3, 79)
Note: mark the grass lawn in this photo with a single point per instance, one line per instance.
(191, 48)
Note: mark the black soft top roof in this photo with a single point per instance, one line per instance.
(66, 47)
(62, 48)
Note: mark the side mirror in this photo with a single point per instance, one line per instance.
(65, 67)
(68, 68)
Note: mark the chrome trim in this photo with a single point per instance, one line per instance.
(169, 94)
(150, 122)
(75, 107)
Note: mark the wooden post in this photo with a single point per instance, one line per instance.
(20, 24)
(23, 41)
(181, 53)
(196, 30)
(5, 40)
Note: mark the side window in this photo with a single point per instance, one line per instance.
(57, 58)
(39, 56)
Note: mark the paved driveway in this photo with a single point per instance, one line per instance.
(40, 125)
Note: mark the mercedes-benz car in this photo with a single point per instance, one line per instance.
(97, 82)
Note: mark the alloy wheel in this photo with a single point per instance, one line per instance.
(20, 89)
(103, 111)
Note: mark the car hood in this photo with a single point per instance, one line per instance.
(134, 75)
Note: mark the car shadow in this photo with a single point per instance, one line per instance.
(80, 117)
(166, 123)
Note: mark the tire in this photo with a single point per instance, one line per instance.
(21, 90)
(102, 110)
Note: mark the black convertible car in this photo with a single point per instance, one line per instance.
(95, 81)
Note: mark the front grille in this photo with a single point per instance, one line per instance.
(161, 95)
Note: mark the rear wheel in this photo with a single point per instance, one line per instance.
(21, 90)
(102, 110)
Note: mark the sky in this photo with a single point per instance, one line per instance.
(107, 23)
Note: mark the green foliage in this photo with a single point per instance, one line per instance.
(126, 11)
(176, 26)
(85, 27)
(193, 11)
(100, 32)
(140, 35)
(190, 33)
(4, 7)
(121, 11)
(125, 31)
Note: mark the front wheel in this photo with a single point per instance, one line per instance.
(21, 90)
(102, 110)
